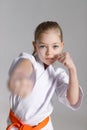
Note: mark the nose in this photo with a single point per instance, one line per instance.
(49, 51)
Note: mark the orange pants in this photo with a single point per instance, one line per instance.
(21, 126)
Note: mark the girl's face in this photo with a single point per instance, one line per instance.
(48, 46)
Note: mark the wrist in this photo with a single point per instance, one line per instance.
(72, 68)
(73, 72)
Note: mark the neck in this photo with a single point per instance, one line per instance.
(45, 66)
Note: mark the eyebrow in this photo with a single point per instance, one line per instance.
(47, 44)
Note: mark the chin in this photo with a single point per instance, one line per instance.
(47, 63)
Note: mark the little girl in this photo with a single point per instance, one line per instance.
(33, 80)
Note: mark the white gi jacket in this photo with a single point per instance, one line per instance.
(37, 105)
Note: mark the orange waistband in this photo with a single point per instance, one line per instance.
(21, 126)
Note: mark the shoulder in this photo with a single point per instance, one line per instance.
(27, 60)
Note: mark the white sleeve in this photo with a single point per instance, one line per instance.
(62, 80)
(23, 55)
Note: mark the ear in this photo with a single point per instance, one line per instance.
(62, 44)
(34, 45)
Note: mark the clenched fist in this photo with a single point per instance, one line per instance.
(21, 81)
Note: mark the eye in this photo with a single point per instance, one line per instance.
(42, 46)
(55, 46)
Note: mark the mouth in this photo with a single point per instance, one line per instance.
(50, 59)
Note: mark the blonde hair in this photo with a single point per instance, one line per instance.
(44, 26)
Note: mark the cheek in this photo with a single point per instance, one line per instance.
(41, 55)
(41, 52)
(56, 52)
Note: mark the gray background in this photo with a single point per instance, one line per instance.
(18, 19)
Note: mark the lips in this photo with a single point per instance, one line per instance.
(49, 59)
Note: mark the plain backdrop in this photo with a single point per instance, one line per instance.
(18, 20)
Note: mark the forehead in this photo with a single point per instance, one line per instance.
(50, 36)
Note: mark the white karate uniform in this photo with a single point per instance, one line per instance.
(37, 105)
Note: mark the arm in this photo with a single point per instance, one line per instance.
(17, 82)
(73, 87)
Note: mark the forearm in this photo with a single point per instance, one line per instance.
(73, 88)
